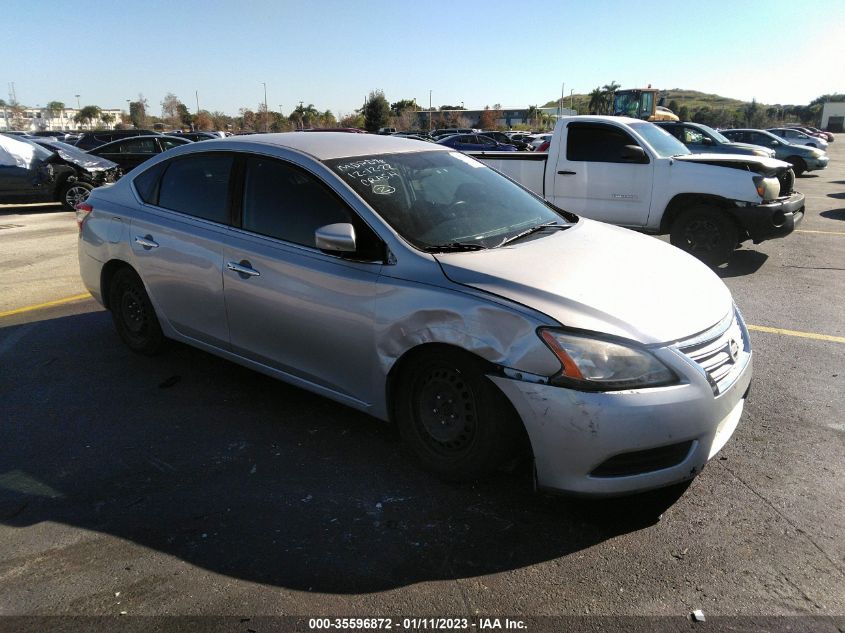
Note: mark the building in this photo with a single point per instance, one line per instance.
(833, 116)
(35, 119)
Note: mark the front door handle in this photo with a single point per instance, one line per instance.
(243, 268)
(147, 241)
(566, 173)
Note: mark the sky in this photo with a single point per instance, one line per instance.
(332, 53)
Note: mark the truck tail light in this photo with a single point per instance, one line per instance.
(83, 210)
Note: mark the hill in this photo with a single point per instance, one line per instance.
(693, 99)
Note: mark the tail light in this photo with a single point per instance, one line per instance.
(83, 210)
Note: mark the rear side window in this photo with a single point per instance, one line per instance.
(146, 184)
(139, 145)
(596, 143)
(198, 186)
(287, 203)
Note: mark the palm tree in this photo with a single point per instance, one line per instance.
(532, 114)
(87, 114)
(596, 105)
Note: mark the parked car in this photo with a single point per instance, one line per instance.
(474, 142)
(131, 152)
(49, 171)
(801, 157)
(632, 173)
(411, 282)
(538, 139)
(501, 137)
(814, 131)
(451, 131)
(90, 140)
(797, 137)
(544, 147)
(703, 139)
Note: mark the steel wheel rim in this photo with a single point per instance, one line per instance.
(133, 311)
(702, 234)
(446, 412)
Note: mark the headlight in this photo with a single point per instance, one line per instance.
(816, 153)
(761, 152)
(596, 365)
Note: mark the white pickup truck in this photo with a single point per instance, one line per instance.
(632, 173)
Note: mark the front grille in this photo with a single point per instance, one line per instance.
(787, 181)
(718, 354)
(639, 462)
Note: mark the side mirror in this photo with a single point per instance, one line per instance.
(633, 154)
(707, 141)
(336, 238)
(774, 143)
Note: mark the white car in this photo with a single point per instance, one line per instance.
(797, 137)
(412, 282)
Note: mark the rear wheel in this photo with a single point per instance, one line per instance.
(798, 164)
(452, 419)
(706, 233)
(133, 314)
(75, 192)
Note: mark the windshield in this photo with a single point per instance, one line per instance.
(435, 199)
(664, 144)
(715, 133)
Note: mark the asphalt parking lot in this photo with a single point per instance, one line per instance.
(186, 485)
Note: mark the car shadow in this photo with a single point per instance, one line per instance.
(742, 262)
(805, 176)
(237, 473)
(839, 195)
(833, 214)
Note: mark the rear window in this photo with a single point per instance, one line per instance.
(197, 186)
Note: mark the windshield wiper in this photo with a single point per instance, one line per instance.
(453, 247)
(533, 229)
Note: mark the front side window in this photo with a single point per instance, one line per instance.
(692, 136)
(169, 143)
(596, 143)
(287, 203)
(442, 199)
(197, 185)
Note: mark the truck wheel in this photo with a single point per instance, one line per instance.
(798, 165)
(451, 418)
(706, 233)
(73, 193)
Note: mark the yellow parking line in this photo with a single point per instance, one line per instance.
(46, 304)
(777, 330)
(825, 232)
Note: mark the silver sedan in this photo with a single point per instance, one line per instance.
(416, 284)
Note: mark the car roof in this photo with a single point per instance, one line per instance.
(329, 145)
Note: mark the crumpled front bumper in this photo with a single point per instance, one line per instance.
(574, 434)
(772, 219)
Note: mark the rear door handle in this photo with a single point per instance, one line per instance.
(566, 173)
(243, 268)
(147, 241)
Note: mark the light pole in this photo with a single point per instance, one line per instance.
(78, 107)
(570, 97)
(560, 103)
(265, 105)
(429, 110)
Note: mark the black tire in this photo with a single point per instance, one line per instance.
(133, 314)
(452, 419)
(75, 192)
(798, 165)
(706, 233)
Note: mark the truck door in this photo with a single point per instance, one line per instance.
(601, 175)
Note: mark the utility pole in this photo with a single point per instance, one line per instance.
(570, 97)
(265, 105)
(429, 110)
(197, 94)
(560, 103)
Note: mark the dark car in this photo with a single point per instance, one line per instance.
(474, 143)
(131, 152)
(49, 171)
(196, 136)
(90, 140)
(703, 139)
(501, 137)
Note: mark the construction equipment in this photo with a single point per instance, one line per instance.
(641, 103)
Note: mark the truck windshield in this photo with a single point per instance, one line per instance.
(664, 144)
(445, 200)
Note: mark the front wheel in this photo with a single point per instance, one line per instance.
(706, 233)
(452, 419)
(133, 314)
(798, 165)
(75, 192)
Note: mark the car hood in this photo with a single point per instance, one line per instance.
(602, 278)
(750, 146)
(88, 162)
(739, 161)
